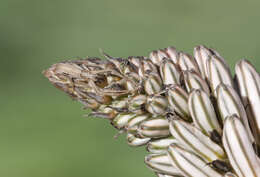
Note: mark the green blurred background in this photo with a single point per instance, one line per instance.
(42, 131)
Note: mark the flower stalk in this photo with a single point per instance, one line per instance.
(193, 116)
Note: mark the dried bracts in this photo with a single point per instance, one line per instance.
(193, 116)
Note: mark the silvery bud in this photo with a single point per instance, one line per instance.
(249, 86)
(203, 112)
(178, 101)
(187, 62)
(239, 148)
(189, 163)
(157, 56)
(154, 128)
(133, 123)
(192, 138)
(172, 53)
(170, 72)
(227, 96)
(217, 73)
(202, 54)
(121, 120)
(160, 163)
(132, 140)
(153, 84)
(161, 145)
(147, 67)
(137, 103)
(193, 81)
(156, 105)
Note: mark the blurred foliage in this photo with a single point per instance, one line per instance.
(43, 132)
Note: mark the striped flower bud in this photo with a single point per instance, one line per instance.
(170, 72)
(217, 73)
(227, 96)
(120, 103)
(155, 57)
(161, 145)
(203, 113)
(137, 102)
(162, 54)
(249, 87)
(189, 163)
(160, 163)
(133, 122)
(154, 128)
(147, 67)
(187, 62)
(172, 53)
(132, 140)
(192, 138)
(214, 52)
(157, 105)
(178, 101)
(152, 84)
(239, 148)
(202, 54)
(121, 120)
(129, 69)
(193, 81)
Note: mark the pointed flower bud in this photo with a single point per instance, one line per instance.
(162, 54)
(160, 163)
(202, 54)
(161, 145)
(132, 140)
(178, 101)
(203, 113)
(189, 163)
(157, 57)
(137, 103)
(152, 84)
(133, 122)
(157, 105)
(239, 148)
(249, 86)
(172, 53)
(193, 81)
(192, 138)
(121, 120)
(229, 104)
(170, 72)
(217, 73)
(154, 128)
(147, 67)
(187, 62)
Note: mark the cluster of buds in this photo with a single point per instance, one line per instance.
(194, 118)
